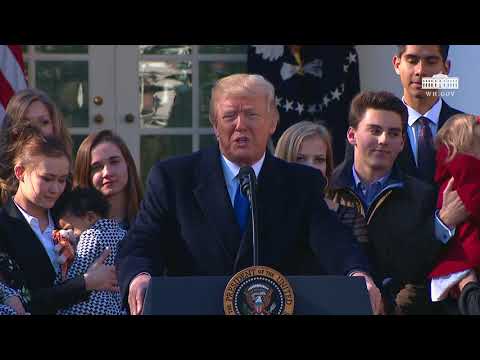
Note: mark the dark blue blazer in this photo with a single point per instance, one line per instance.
(186, 224)
(406, 160)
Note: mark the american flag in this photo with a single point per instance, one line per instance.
(12, 74)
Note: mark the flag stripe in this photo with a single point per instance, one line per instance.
(6, 91)
(2, 114)
(11, 69)
(12, 74)
(18, 53)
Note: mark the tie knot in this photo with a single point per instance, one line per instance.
(424, 121)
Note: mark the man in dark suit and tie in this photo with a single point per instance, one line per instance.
(193, 220)
(427, 111)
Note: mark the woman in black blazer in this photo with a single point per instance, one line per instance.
(28, 260)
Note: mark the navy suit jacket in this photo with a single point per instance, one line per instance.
(406, 160)
(186, 224)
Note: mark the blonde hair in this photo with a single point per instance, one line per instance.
(19, 103)
(289, 143)
(458, 134)
(239, 85)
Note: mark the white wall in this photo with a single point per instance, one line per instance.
(376, 73)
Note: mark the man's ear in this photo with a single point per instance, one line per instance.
(215, 130)
(275, 117)
(351, 136)
(448, 66)
(396, 64)
(19, 171)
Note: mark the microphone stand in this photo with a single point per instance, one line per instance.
(249, 189)
(254, 215)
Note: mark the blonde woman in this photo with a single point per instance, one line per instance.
(29, 107)
(310, 143)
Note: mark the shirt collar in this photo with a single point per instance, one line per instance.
(231, 169)
(433, 114)
(32, 219)
(382, 180)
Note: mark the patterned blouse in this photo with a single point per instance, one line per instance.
(105, 232)
(5, 293)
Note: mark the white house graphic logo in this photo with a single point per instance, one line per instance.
(440, 82)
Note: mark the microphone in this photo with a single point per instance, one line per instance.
(248, 187)
(248, 180)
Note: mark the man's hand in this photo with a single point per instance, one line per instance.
(453, 210)
(100, 276)
(136, 293)
(16, 304)
(375, 295)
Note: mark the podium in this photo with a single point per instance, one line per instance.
(203, 295)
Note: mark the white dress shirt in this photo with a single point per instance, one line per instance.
(230, 172)
(45, 236)
(413, 128)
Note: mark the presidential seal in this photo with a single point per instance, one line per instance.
(258, 290)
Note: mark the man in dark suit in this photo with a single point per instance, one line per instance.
(188, 223)
(427, 111)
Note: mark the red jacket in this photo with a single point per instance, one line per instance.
(464, 248)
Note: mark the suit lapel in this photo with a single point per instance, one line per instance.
(408, 158)
(28, 249)
(445, 113)
(212, 196)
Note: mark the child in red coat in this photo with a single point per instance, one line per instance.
(458, 157)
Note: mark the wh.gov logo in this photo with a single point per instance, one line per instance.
(440, 85)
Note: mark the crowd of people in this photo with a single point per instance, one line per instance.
(402, 210)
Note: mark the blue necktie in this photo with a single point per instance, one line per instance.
(241, 206)
(426, 152)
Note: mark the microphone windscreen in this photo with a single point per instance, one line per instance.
(246, 176)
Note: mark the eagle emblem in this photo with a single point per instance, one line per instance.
(258, 290)
(258, 297)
